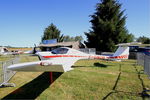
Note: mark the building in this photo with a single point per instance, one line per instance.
(49, 47)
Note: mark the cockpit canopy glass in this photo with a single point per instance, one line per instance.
(60, 51)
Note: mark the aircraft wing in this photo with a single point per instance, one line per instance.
(54, 65)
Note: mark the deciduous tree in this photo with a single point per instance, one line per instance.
(144, 40)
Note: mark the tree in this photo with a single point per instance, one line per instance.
(51, 32)
(108, 27)
(144, 40)
(78, 38)
(67, 38)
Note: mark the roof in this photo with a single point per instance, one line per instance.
(59, 44)
(133, 44)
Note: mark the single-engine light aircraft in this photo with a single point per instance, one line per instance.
(61, 59)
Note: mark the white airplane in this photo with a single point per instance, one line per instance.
(61, 59)
(4, 51)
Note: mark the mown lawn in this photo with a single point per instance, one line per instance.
(90, 80)
(6, 57)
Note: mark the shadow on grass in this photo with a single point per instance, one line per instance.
(100, 65)
(34, 88)
(115, 85)
(144, 94)
(95, 65)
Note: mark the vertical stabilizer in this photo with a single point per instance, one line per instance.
(122, 52)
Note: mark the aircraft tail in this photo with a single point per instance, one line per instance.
(121, 53)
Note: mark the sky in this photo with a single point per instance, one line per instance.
(22, 22)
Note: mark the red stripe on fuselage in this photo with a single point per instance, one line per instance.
(120, 57)
(95, 57)
(98, 57)
(55, 56)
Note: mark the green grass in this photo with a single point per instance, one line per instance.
(90, 80)
(20, 78)
(6, 57)
(2, 59)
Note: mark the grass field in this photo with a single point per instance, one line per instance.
(90, 80)
(20, 49)
(4, 58)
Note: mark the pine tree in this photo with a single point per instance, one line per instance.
(51, 32)
(108, 27)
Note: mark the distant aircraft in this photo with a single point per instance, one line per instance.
(4, 51)
(61, 59)
(33, 51)
(29, 52)
(138, 47)
(146, 51)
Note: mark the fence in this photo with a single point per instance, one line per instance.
(144, 60)
(147, 64)
(5, 74)
(140, 59)
(89, 50)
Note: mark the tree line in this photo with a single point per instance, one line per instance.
(108, 28)
(52, 32)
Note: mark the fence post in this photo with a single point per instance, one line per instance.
(144, 60)
(4, 75)
(147, 65)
